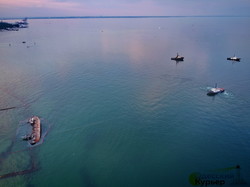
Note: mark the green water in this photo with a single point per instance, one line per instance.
(121, 112)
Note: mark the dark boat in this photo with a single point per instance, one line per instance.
(215, 90)
(178, 58)
(35, 135)
(234, 58)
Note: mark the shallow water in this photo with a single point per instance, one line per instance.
(122, 113)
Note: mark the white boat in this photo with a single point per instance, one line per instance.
(215, 90)
(234, 58)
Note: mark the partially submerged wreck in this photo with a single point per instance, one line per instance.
(35, 135)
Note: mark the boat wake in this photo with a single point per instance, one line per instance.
(228, 95)
(205, 88)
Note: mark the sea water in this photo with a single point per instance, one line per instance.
(121, 112)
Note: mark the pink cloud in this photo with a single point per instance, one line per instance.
(74, 8)
(121, 7)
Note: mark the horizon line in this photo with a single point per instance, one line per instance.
(92, 17)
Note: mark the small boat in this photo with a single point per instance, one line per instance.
(178, 58)
(23, 23)
(234, 58)
(35, 135)
(215, 90)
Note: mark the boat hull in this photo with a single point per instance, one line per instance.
(215, 91)
(35, 135)
(178, 59)
(234, 59)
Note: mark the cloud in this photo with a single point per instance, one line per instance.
(39, 8)
(122, 7)
(78, 8)
(37, 3)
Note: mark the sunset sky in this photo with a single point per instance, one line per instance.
(41, 8)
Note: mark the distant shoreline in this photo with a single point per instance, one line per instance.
(8, 26)
(119, 17)
(13, 26)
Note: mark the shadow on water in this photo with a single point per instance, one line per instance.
(87, 180)
(25, 105)
(22, 102)
(34, 167)
(9, 108)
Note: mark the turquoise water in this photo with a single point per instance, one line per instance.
(121, 112)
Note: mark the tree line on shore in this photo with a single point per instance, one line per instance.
(13, 26)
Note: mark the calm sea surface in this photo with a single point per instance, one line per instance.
(117, 112)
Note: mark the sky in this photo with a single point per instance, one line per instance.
(52, 8)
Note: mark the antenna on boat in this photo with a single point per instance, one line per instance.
(215, 85)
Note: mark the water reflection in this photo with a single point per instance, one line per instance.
(119, 73)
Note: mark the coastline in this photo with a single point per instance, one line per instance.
(13, 26)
